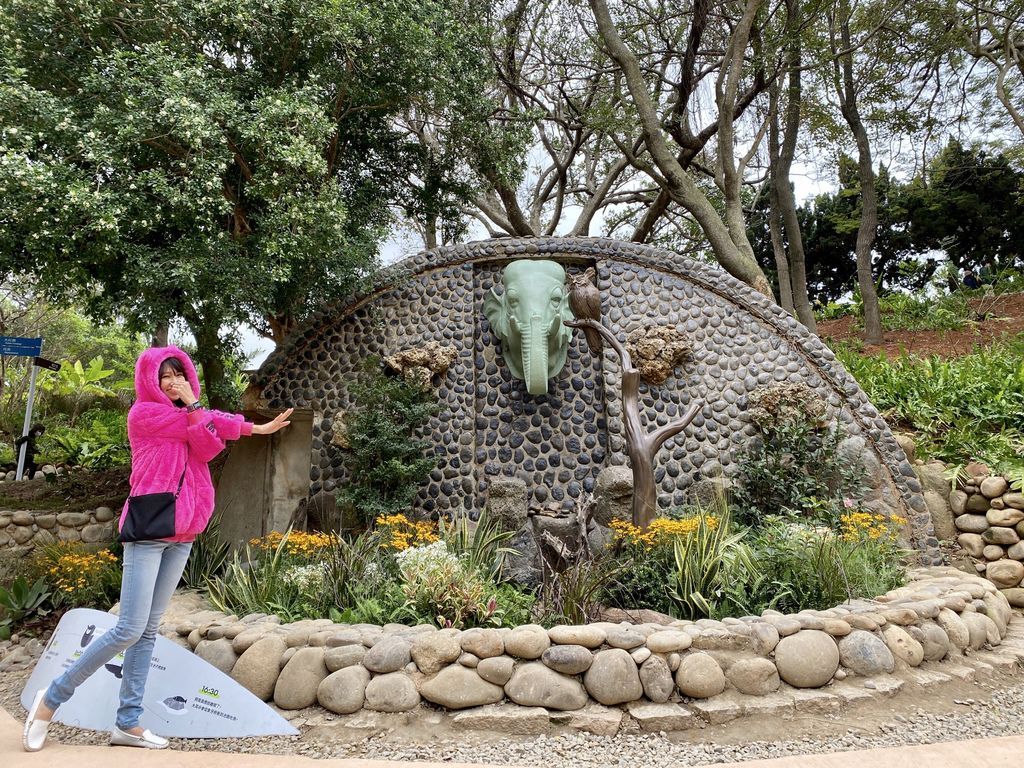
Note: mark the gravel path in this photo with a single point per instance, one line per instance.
(988, 707)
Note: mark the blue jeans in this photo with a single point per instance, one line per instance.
(151, 572)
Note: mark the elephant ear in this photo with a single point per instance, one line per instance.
(496, 313)
(566, 313)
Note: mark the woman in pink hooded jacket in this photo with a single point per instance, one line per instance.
(172, 440)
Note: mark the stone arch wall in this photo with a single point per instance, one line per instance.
(488, 426)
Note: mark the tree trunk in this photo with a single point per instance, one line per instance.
(868, 228)
(726, 235)
(160, 334)
(774, 215)
(781, 179)
(210, 355)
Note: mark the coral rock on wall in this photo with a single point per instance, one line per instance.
(657, 350)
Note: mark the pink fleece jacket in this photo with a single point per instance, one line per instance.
(162, 436)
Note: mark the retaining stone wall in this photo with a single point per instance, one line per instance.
(990, 519)
(489, 428)
(665, 675)
(32, 528)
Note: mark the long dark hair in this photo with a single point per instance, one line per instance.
(175, 365)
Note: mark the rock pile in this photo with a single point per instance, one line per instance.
(990, 519)
(34, 528)
(678, 670)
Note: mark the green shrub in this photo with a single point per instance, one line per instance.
(208, 558)
(907, 312)
(21, 601)
(964, 408)
(706, 560)
(573, 594)
(386, 462)
(803, 567)
(99, 440)
(794, 469)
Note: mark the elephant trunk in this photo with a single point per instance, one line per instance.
(535, 357)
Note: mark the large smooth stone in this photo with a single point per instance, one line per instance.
(258, 668)
(435, 651)
(218, 653)
(527, 642)
(755, 677)
(1005, 574)
(344, 691)
(808, 659)
(456, 687)
(568, 659)
(393, 692)
(863, 653)
(613, 678)
(389, 655)
(656, 677)
(299, 680)
(903, 646)
(700, 676)
(535, 685)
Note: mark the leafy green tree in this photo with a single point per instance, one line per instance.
(969, 205)
(209, 160)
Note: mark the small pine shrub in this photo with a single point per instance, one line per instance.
(387, 461)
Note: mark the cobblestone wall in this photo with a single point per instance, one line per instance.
(34, 527)
(488, 425)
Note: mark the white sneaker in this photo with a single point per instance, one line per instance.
(148, 739)
(33, 737)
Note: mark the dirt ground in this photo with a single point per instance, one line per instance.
(74, 491)
(997, 317)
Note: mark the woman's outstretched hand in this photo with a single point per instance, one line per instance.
(280, 422)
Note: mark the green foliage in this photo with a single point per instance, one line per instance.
(99, 440)
(441, 587)
(79, 576)
(963, 408)
(221, 161)
(254, 582)
(815, 568)
(705, 561)
(386, 461)
(21, 601)
(572, 595)
(794, 469)
(480, 544)
(906, 312)
(208, 557)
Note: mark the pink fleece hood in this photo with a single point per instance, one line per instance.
(147, 374)
(166, 441)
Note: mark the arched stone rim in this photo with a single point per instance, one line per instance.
(707, 277)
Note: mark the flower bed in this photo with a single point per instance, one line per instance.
(940, 615)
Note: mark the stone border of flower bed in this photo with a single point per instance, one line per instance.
(681, 670)
(36, 528)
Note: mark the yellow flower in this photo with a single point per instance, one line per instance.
(401, 533)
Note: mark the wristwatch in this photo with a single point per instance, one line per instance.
(193, 408)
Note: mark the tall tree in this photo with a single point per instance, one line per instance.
(665, 145)
(213, 161)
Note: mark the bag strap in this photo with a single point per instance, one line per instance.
(181, 480)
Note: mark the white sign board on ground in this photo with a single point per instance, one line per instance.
(185, 696)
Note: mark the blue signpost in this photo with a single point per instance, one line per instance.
(20, 346)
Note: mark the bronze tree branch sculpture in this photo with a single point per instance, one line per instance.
(641, 446)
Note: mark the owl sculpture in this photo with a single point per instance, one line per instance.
(585, 303)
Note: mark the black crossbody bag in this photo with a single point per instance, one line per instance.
(151, 515)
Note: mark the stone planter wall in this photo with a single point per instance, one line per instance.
(705, 669)
(32, 528)
(990, 520)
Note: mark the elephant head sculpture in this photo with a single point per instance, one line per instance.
(528, 321)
